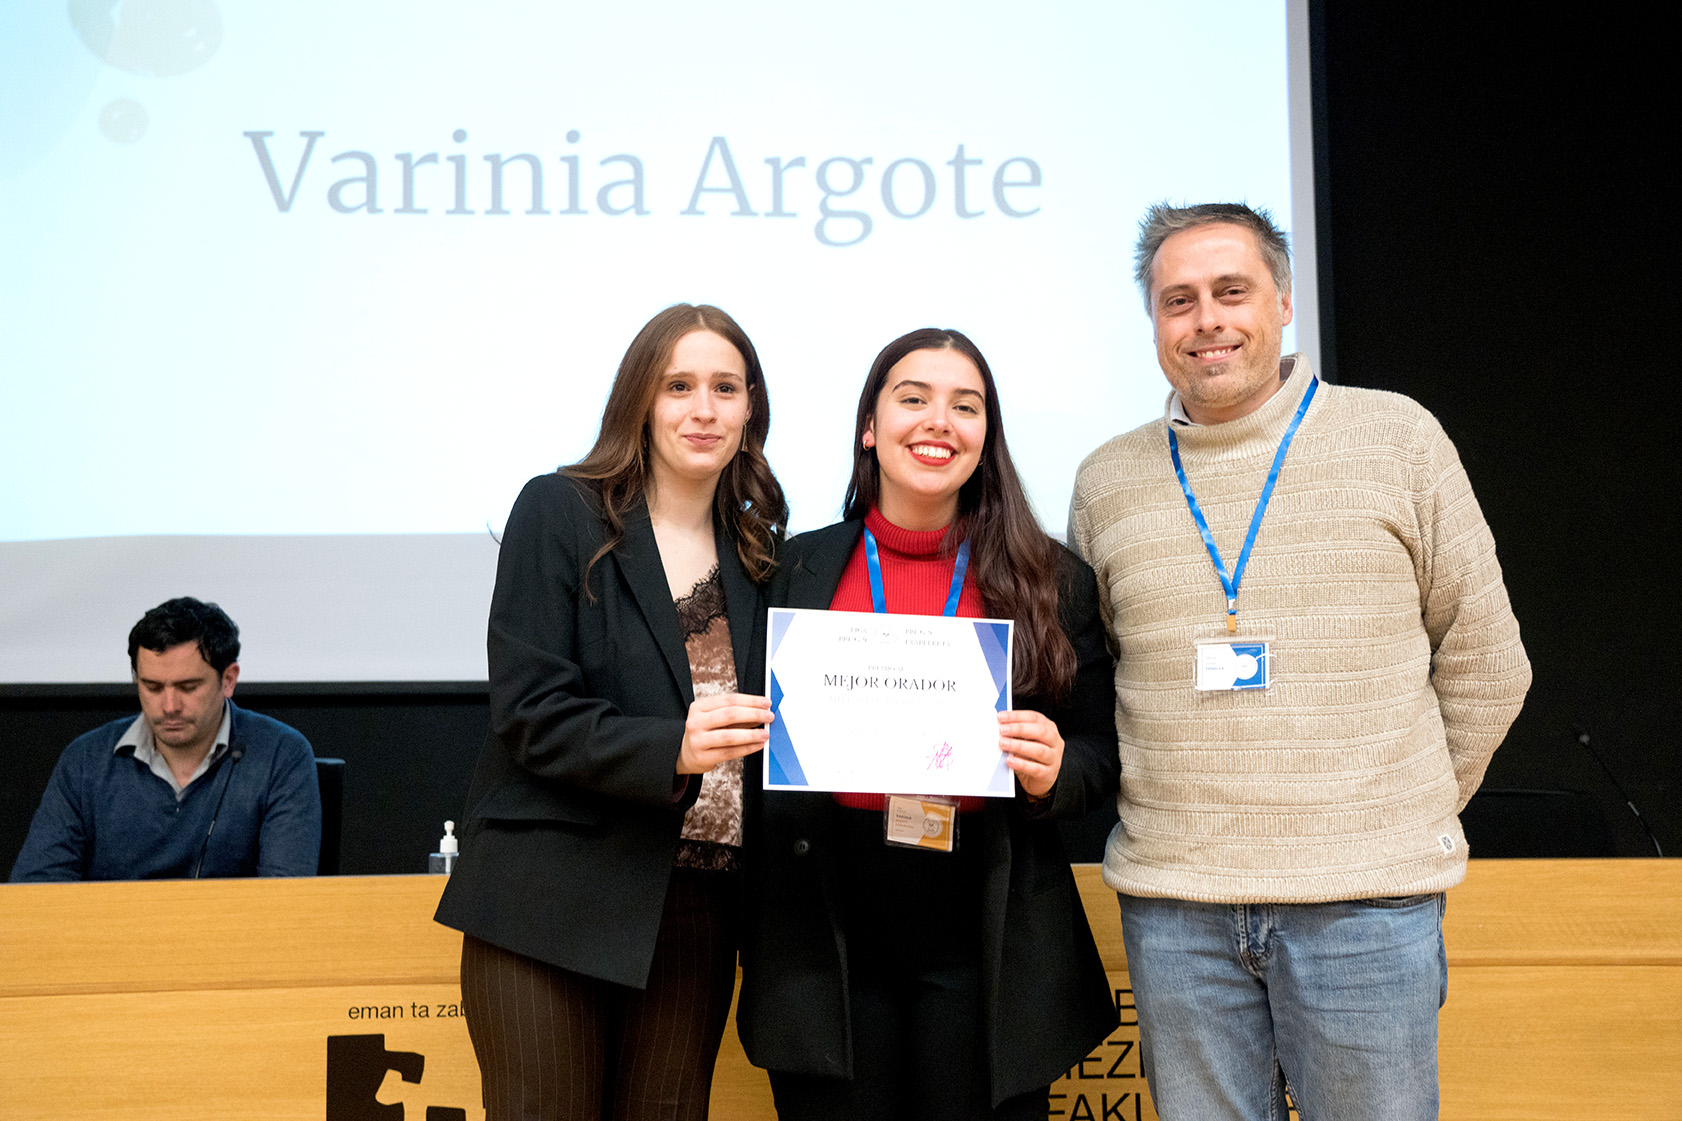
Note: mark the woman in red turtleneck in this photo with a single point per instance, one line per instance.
(888, 982)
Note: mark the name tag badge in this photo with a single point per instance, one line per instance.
(1228, 664)
(921, 822)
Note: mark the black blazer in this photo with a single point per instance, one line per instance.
(575, 808)
(1047, 999)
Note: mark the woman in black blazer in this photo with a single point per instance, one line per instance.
(884, 982)
(597, 884)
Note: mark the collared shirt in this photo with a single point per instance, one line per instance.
(1177, 410)
(138, 739)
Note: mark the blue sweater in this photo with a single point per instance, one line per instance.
(106, 816)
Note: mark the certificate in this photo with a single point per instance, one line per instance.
(887, 704)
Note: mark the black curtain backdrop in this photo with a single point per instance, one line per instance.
(1500, 253)
(1492, 244)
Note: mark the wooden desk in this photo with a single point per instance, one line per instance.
(215, 1000)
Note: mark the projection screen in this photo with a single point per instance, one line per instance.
(295, 297)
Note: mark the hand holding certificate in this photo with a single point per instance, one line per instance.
(720, 728)
(1036, 749)
(891, 703)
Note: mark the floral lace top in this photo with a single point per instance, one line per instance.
(712, 829)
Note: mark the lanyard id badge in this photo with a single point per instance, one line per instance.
(918, 821)
(1225, 663)
(1233, 662)
(923, 821)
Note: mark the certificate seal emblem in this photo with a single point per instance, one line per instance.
(931, 827)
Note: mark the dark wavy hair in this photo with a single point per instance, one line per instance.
(186, 619)
(1014, 562)
(749, 499)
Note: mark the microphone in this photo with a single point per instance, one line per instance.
(1587, 742)
(235, 754)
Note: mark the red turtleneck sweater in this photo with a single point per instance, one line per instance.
(916, 579)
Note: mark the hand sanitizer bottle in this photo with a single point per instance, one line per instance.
(443, 862)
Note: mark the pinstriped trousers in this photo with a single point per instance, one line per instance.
(554, 1045)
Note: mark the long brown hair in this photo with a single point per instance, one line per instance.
(1014, 562)
(749, 499)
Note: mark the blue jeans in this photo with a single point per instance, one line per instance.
(1337, 1000)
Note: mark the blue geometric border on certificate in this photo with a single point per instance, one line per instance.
(995, 647)
(782, 765)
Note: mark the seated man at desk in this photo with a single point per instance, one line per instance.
(193, 786)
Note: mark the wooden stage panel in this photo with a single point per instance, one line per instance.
(1566, 912)
(180, 1000)
(1539, 1043)
(112, 937)
(741, 1092)
(213, 1055)
(1110, 1082)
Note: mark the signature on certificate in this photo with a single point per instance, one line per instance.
(940, 757)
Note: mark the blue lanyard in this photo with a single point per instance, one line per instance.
(879, 598)
(1230, 582)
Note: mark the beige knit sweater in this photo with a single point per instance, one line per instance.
(1397, 665)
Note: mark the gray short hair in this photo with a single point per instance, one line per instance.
(1162, 221)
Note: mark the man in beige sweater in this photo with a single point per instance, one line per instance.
(1315, 660)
